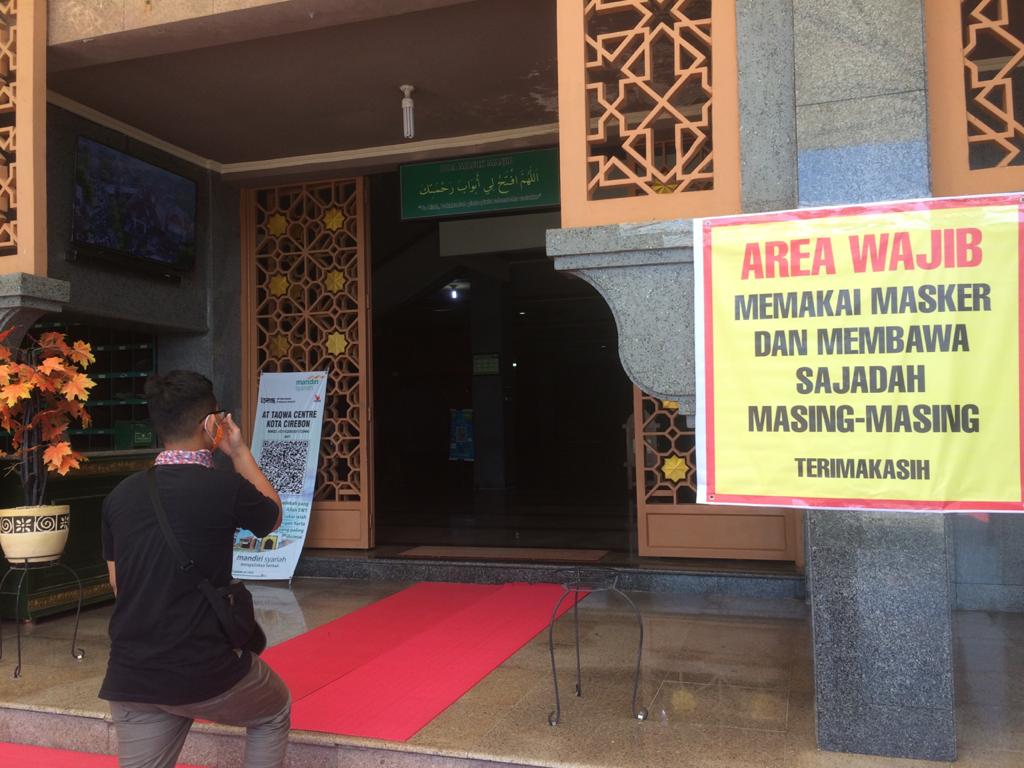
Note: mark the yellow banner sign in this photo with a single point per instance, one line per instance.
(865, 357)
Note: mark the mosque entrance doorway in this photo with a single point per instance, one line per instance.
(500, 405)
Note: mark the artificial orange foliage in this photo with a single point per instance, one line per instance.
(69, 462)
(52, 427)
(77, 411)
(55, 452)
(15, 391)
(52, 342)
(39, 402)
(81, 353)
(77, 387)
(51, 364)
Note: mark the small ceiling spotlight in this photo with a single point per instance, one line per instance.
(457, 288)
(408, 126)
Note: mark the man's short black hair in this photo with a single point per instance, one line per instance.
(178, 401)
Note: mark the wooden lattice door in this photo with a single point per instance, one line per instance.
(669, 521)
(306, 307)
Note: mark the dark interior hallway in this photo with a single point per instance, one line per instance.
(548, 399)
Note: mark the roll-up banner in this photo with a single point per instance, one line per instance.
(286, 445)
(863, 357)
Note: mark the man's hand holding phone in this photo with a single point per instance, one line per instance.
(232, 442)
(234, 447)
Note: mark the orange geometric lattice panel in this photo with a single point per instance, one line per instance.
(649, 97)
(308, 315)
(8, 148)
(993, 50)
(8, 61)
(8, 237)
(8, 171)
(668, 450)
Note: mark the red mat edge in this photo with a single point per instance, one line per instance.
(34, 756)
(302, 681)
(403, 735)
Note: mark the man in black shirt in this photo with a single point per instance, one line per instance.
(170, 661)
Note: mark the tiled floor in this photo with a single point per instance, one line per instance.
(724, 688)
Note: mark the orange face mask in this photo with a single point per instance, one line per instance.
(217, 436)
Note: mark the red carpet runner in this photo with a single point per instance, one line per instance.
(24, 756)
(388, 669)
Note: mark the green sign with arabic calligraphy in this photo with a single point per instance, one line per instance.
(480, 184)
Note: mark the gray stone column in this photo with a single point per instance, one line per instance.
(861, 101)
(645, 273)
(882, 594)
(881, 602)
(25, 298)
(880, 583)
(849, 81)
(764, 60)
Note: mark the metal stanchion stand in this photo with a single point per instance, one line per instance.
(590, 579)
(22, 568)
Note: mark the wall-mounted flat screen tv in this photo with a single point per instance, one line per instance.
(131, 210)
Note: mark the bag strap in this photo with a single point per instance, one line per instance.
(186, 563)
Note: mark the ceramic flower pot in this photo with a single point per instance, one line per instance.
(34, 534)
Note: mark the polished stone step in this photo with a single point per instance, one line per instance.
(733, 580)
(217, 745)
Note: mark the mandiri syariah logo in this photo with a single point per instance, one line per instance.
(313, 381)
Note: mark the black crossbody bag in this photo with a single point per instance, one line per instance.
(232, 604)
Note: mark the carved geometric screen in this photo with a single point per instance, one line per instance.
(993, 50)
(308, 277)
(668, 450)
(8, 103)
(649, 97)
(670, 523)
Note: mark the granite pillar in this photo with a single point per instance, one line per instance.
(881, 602)
(25, 298)
(645, 273)
(833, 109)
(880, 583)
(768, 149)
(861, 101)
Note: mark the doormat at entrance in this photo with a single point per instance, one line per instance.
(386, 670)
(26, 756)
(515, 554)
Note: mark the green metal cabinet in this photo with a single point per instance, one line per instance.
(52, 590)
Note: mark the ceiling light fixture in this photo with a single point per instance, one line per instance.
(408, 127)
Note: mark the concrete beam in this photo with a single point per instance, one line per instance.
(85, 33)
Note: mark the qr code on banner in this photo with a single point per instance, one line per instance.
(284, 464)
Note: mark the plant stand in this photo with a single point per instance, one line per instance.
(590, 579)
(22, 570)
